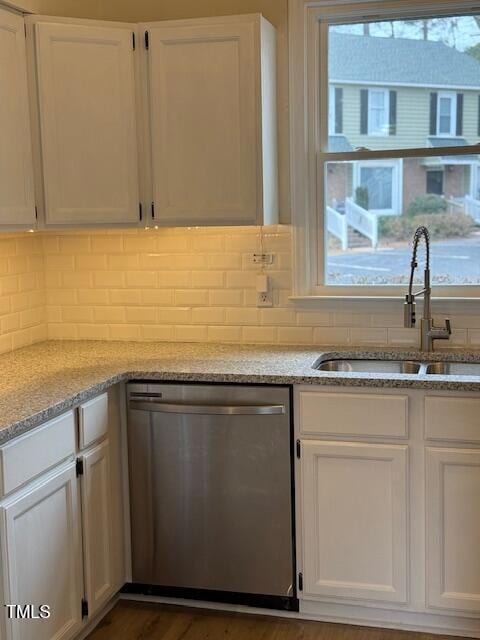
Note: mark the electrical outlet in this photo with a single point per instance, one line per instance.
(265, 299)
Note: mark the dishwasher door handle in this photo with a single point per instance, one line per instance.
(146, 404)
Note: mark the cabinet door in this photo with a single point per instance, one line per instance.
(41, 556)
(354, 505)
(204, 103)
(453, 528)
(97, 527)
(87, 109)
(17, 206)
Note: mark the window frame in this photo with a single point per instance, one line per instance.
(381, 133)
(308, 25)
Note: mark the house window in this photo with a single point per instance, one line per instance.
(378, 181)
(378, 112)
(406, 76)
(331, 111)
(446, 114)
(435, 182)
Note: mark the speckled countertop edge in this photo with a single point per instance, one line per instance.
(47, 379)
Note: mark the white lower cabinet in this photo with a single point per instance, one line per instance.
(41, 556)
(98, 530)
(453, 528)
(389, 518)
(354, 505)
(61, 523)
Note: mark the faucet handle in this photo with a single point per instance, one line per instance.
(448, 326)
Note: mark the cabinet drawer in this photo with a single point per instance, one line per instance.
(36, 452)
(354, 414)
(452, 419)
(92, 421)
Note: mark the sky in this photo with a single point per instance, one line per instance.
(461, 31)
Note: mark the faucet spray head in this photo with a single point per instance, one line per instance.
(409, 312)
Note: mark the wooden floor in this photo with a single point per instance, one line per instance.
(138, 621)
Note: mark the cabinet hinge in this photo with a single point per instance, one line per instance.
(299, 449)
(140, 211)
(300, 581)
(36, 212)
(147, 40)
(153, 210)
(84, 608)
(25, 29)
(133, 40)
(79, 467)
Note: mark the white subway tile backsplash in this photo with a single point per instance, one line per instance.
(224, 334)
(141, 315)
(191, 297)
(179, 284)
(331, 336)
(208, 315)
(368, 336)
(191, 333)
(242, 315)
(162, 333)
(226, 297)
(295, 335)
(208, 279)
(403, 337)
(263, 335)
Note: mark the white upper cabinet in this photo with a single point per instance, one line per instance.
(87, 112)
(17, 205)
(212, 88)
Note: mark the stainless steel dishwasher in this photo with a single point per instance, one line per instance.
(211, 492)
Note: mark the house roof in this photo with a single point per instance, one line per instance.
(338, 143)
(447, 142)
(362, 59)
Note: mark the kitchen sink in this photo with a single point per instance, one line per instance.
(370, 366)
(453, 368)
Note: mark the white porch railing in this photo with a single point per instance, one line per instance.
(337, 225)
(472, 208)
(362, 220)
(455, 206)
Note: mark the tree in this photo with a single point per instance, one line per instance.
(424, 24)
(474, 51)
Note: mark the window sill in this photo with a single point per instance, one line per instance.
(373, 304)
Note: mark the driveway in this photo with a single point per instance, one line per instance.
(452, 262)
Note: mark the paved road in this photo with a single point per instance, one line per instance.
(453, 262)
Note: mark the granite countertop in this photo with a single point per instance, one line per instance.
(41, 381)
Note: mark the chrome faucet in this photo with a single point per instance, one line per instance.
(428, 331)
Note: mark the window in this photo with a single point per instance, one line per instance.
(446, 114)
(335, 110)
(435, 182)
(409, 155)
(378, 124)
(379, 182)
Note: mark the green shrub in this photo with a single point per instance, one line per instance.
(361, 197)
(440, 225)
(426, 204)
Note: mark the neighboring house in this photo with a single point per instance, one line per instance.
(390, 93)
